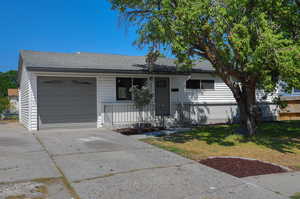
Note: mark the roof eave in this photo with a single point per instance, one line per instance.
(93, 70)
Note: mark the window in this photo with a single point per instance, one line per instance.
(200, 84)
(207, 84)
(123, 86)
(193, 84)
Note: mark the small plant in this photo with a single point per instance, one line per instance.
(141, 97)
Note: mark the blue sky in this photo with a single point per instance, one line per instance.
(61, 26)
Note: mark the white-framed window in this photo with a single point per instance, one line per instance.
(200, 84)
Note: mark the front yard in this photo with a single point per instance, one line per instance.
(277, 142)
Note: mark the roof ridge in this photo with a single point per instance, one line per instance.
(75, 53)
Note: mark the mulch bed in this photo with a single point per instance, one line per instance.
(242, 167)
(136, 131)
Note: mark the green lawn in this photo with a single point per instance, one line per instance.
(277, 142)
(296, 196)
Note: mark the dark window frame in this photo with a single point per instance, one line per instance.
(189, 84)
(207, 80)
(129, 86)
(198, 84)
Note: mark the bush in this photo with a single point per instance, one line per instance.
(141, 96)
(4, 104)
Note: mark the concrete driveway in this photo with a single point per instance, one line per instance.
(96, 164)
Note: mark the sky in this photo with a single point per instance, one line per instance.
(62, 26)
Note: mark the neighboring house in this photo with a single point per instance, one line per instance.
(86, 89)
(292, 101)
(292, 110)
(13, 96)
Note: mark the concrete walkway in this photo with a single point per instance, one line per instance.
(284, 183)
(96, 164)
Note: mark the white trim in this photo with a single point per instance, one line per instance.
(33, 113)
(20, 107)
(100, 106)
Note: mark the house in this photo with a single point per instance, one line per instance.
(13, 96)
(292, 101)
(93, 90)
(292, 109)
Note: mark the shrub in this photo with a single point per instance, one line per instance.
(4, 104)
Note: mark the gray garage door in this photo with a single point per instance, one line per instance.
(67, 102)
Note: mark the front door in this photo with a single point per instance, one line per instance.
(162, 96)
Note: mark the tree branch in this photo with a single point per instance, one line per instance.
(139, 11)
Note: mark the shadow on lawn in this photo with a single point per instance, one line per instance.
(279, 136)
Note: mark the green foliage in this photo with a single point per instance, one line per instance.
(296, 196)
(4, 104)
(141, 96)
(7, 80)
(245, 40)
(252, 44)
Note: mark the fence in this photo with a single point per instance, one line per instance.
(183, 114)
(127, 115)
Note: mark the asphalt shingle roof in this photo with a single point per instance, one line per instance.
(92, 62)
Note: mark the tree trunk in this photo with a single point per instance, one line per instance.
(248, 110)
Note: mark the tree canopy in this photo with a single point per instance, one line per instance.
(7, 80)
(252, 44)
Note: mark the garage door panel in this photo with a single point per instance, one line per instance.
(66, 100)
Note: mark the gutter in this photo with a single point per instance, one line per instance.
(90, 70)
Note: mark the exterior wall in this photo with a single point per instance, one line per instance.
(221, 93)
(24, 99)
(28, 105)
(207, 106)
(33, 102)
(200, 106)
(100, 107)
(112, 111)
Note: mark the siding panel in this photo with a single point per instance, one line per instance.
(25, 99)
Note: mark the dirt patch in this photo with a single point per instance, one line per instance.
(136, 131)
(8, 121)
(36, 189)
(242, 167)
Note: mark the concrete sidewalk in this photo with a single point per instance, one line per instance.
(283, 183)
(98, 163)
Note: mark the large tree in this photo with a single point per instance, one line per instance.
(252, 44)
(7, 80)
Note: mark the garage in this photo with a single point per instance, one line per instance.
(66, 102)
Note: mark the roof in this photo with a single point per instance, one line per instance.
(12, 92)
(106, 63)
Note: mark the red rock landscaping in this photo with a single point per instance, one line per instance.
(135, 131)
(242, 167)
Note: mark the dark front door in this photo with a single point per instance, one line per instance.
(162, 96)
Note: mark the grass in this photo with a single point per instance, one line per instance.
(296, 196)
(276, 142)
